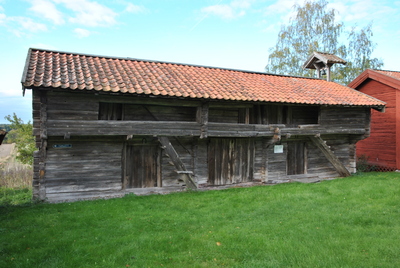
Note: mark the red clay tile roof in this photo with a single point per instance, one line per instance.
(63, 70)
(393, 74)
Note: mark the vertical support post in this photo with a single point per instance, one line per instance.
(259, 114)
(289, 115)
(352, 157)
(39, 157)
(318, 69)
(328, 73)
(247, 116)
(318, 72)
(264, 158)
(202, 118)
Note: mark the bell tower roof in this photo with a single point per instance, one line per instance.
(322, 61)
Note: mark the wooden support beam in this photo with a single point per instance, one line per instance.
(202, 118)
(318, 68)
(40, 166)
(275, 138)
(340, 168)
(180, 167)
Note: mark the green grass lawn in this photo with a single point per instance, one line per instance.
(350, 222)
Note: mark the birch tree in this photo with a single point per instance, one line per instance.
(314, 28)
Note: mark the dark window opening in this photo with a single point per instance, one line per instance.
(110, 111)
(137, 112)
(269, 114)
(305, 115)
(223, 115)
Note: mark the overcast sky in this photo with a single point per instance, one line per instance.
(233, 34)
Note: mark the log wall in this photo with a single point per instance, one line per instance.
(83, 157)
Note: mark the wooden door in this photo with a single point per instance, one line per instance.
(142, 166)
(296, 158)
(230, 161)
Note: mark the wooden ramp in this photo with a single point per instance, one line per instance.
(180, 167)
(340, 168)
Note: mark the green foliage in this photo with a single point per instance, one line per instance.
(13, 197)
(314, 28)
(22, 135)
(5, 127)
(363, 164)
(349, 222)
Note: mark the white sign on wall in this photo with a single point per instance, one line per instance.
(278, 149)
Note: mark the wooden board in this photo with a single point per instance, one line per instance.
(296, 158)
(177, 162)
(332, 158)
(230, 161)
(142, 166)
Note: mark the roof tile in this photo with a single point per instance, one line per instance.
(393, 74)
(87, 72)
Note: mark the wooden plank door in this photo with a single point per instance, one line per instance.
(142, 166)
(296, 158)
(230, 161)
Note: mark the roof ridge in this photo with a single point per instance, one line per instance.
(386, 70)
(168, 62)
(391, 74)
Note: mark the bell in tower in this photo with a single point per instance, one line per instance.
(322, 63)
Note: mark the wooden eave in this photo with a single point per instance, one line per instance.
(197, 102)
(379, 77)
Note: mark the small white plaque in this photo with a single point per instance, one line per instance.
(278, 149)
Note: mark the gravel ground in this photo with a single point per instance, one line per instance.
(6, 150)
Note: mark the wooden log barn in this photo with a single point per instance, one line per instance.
(381, 148)
(108, 126)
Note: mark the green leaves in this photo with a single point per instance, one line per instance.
(22, 135)
(314, 28)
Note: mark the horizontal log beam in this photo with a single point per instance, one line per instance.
(70, 128)
(104, 127)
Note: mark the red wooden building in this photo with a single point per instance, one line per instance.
(382, 148)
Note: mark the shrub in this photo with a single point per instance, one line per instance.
(15, 175)
(21, 134)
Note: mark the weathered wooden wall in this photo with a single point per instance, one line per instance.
(87, 144)
(316, 163)
(84, 166)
